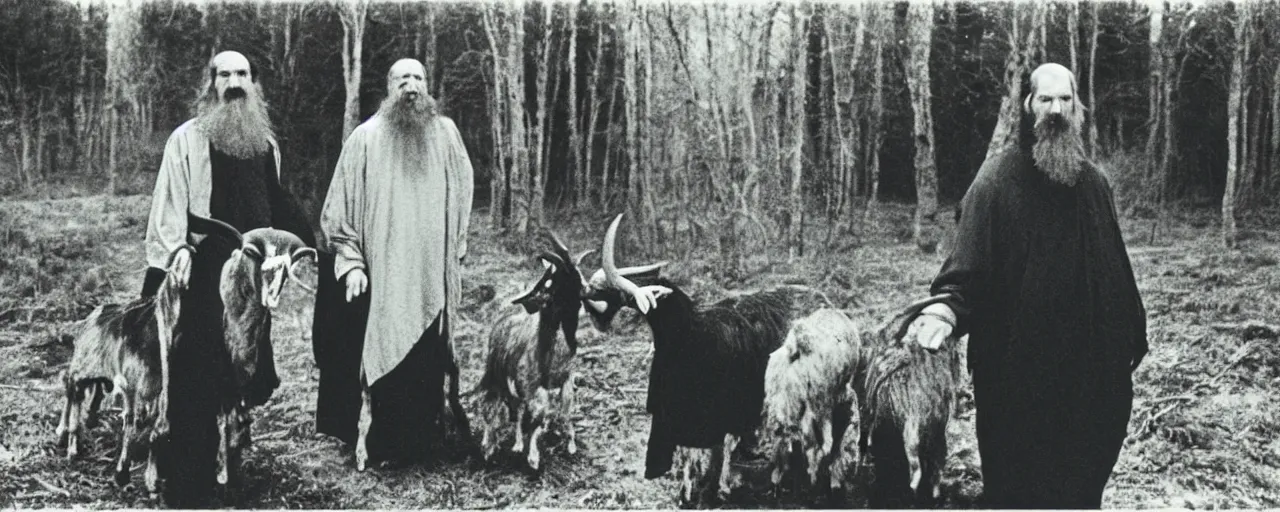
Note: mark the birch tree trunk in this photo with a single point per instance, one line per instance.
(884, 23)
(499, 196)
(353, 16)
(1093, 67)
(519, 183)
(627, 47)
(920, 26)
(593, 117)
(1155, 87)
(428, 50)
(575, 139)
(1073, 35)
(1017, 63)
(795, 237)
(121, 104)
(1274, 176)
(1235, 90)
(537, 165)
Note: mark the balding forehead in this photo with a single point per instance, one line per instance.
(403, 66)
(1051, 74)
(230, 61)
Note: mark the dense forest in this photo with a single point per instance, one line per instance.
(714, 123)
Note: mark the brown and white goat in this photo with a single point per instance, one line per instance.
(252, 280)
(526, 360)
(809, 399)
(123, 348)
(907, 393)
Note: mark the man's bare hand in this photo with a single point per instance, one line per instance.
(181, 268)
(357, 283)
(934, 324)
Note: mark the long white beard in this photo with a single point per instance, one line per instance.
(240, 128)
(1059, 150)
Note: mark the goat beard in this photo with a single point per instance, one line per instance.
(406, 115)
(240, 127)
(1059, 146)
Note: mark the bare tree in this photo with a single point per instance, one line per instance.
(1235, 91)
(795, 237)
(575, 138)
(1093, 67)
(352, 14)
(920, 28)
(498, 191)
(519, 180)
(121, 103)
(884, 24)
(1017, 63)
(1155, 86)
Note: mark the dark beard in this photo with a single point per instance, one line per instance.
(238, 127)
(1056, 145)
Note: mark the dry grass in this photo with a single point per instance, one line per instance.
(1203, 430)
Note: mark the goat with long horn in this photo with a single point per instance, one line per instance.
(706, 385)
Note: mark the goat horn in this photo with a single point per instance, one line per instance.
(611, 270)
(577, 261)
(553, 258)
(252, 250)
(642, 269)
(303, 252)
(200, 224)
(561, 249)
(298, 281)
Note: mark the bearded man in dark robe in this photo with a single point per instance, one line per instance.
(1041, 282)
(395, 225)
(223, 164)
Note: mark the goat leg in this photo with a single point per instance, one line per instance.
(64, 425)
(911, 442)
(152, 475)
(519, 444)
(728, 479)
(366, 420)
(566, 411)
(223, 449)
(97, 392)
(126, 435)
(535, 457)
(73, 418)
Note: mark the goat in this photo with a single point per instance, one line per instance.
(706, 384)
(809, 398)
(251, 281)
(526, 360)
(124, 349)
(908, 393)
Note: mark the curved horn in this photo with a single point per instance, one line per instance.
(553, 258)
(559, 246)
(643, 301)
(298, 254)
(211, 226)
(577, 260)
(642, 269)
(251, 249)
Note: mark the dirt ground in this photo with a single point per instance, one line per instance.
(1203, 433)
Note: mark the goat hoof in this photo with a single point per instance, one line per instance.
(122, 477)
(573, 447)
(534, 461)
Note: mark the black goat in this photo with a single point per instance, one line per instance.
(907, 395)
(250, 286)
(706, 385)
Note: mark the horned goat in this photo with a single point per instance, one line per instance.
(907, 394)
(706, 383)
(252, 280)
(123, 349)
(809, 399)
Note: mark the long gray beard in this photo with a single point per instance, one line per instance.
(1059, 152)
(409, 118)
(240, 128)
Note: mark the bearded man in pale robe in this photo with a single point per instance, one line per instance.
(395, 220)
(1041, 282)
(223, 164)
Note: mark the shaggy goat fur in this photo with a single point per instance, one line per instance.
(908, 394)
(119, 349)
(808, 395)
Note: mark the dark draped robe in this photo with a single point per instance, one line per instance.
(1042, 283)
(247, 195)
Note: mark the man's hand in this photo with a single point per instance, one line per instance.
(932, 326)
(357, 283)
(181, 269)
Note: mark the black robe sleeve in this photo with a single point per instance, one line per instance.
(966, 273)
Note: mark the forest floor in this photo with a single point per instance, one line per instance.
(1204, 432)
